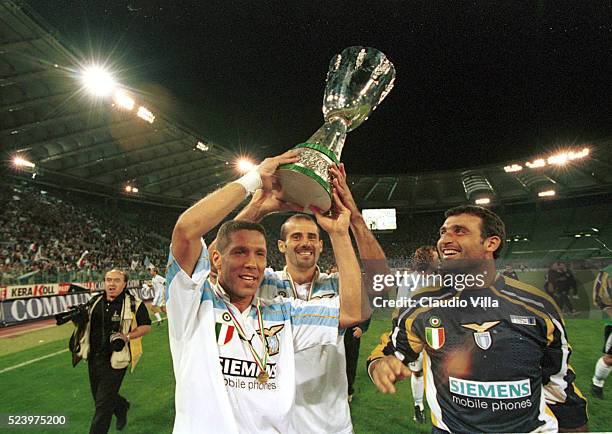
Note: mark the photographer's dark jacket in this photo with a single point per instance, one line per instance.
(108, 317)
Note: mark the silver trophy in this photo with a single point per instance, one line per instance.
(358, 79)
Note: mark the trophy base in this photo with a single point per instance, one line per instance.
(306, 182)
(303, 189)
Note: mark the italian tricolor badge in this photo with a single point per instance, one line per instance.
(224, 333)
(434, 337)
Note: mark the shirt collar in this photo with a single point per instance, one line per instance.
(287, 276)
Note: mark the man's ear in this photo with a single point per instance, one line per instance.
(320, 246)
(216, 259)
(492, 243)
(282, 247)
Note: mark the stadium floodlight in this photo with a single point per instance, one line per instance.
(558, 159)
(513, 168)
(134, 189)
(202, 146)
(535, 164)
(145, 114)
(577, 235)
(482, 201)
(123, 100)
(128, 188)
(580, 154)
(21, 162)
(243, 165)
(98, 81)
(547, 193)
(564, 157)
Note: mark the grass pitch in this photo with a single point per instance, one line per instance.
(52, 386)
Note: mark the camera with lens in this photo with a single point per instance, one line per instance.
(117, 342)
(78, 314)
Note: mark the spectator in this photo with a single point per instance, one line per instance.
(559, 282)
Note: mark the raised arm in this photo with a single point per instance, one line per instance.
(210, 211)
(371, 253)
(264, 203)
(354, 305)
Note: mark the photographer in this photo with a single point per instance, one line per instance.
(110, 341)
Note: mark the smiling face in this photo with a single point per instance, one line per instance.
(461, 240)
(114, 284)
(302, 244)
(242, 263)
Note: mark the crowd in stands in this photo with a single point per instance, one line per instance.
(50, 235)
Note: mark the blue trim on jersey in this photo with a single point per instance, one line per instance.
(316, 310)
(327, 285)
(207, 294)
(323, 285)
(173, 268)
(203, 264)
(171, 271)
(315, 320)
(275, 312)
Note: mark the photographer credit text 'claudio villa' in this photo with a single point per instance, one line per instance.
(412, 281)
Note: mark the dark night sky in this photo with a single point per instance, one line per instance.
(477, 82)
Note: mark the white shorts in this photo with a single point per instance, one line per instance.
(159, 300)
(417, 365)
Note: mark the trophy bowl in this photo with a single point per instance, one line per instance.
(358, 79)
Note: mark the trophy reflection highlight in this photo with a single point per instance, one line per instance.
(358, 79)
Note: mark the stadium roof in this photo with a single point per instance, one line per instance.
(98, 146)
(78, 142)
(440, 190)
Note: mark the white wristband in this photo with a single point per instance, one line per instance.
(251, 182)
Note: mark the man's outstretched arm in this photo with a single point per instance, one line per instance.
(210, 211)
(371, 253)
(354, 305)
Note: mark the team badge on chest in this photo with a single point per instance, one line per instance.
(482, 336)
(272, 340)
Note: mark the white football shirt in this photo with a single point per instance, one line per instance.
(159, 284)
(216, 373)
(321, 401)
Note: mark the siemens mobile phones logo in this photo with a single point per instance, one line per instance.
(491, 389)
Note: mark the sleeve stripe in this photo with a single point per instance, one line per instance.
(413, 340)
(550, 328)
(377, 352)
(557, 385)
(535, 292)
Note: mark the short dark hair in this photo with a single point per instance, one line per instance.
(491, 224)
(300, 216)
(228, 228)
(423, 257)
